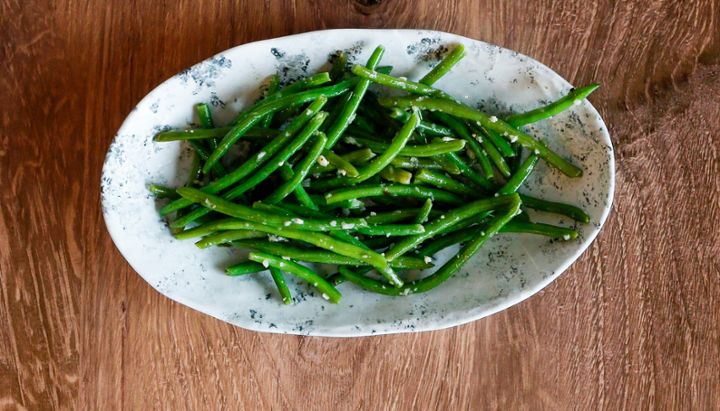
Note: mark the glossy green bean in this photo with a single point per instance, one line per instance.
(514, 183)
(395, 146)
(301, 171)
(415, 162)
(393, 216)
(494, 155)
(473, 144)
(247, 267)
(393, 82)
(298, 125)
(328, 291)
(444, 66)
(301, 195)
(346, 117)
(462, 111)
(223, 237)
(353, 157)
(282, 286)
(575, 96)
(424, 213)
(447, 164)
(340, 164)
(393, 190)
(427, 150)
(396, 175)
(204, 153)
(496, 139)
(202, 134)
(470, 173)
(213, 227)
(339, 63)
(163, 192)
(556, 208)
(392, 230)
(444, 182)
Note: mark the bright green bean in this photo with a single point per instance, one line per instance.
(474, 145)
(427, 150)
(302, 169)
(514, 183)
(500, 144)
(415, 162)
(424, 213)
(201, 134)
(444, 66)
(446, 183)
(223, 237)
(344, 166)
(469, 173)
(393, 82)
(396, 175)
(392, 230)
(164, 192)
(494, 155)
(353, 157)
(447, 164)
(328, 291)
(281, 284)
(462, 111)
(301, 195)
(575, 96)
(393, 190)
(556, 208)
(247, 267)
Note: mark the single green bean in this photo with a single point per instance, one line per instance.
(339, 62)
(469, 173)
(259, 158)
(204, 153)
(282, 286)
(345, 167)
(428, 150)
(447, 164)
(392, 216)
(247, 267)
(201, 134)
(415, 162)
(350, 108)
(447, 220)
(462, 111)
(353, 157)
(575, 97)
(223, 237)
(445, 66)
(396, 175)
(301, 195)
(393, 82)
(328, 291)
(556, 208)
(393, 190)
(425, 126)
(302, 169)
(213, 227)
(514, 183)
(494, 155)
(337, 107)
(495, 138)
(424, 213)
(446, 183)
(164, 192)
(392, 230)
(515, 162)
(474, 145)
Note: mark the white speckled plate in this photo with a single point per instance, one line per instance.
(509, 269)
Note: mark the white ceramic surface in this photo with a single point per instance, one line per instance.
(509, 269)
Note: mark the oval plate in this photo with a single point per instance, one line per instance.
(507, 270)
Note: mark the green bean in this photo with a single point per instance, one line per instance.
(428, 150)
(163, 192)
(328, 291)
(363, 123)
(304, 125)
(205, 116)
(392, 216)
(324, 206)
(478, 218)
(350, 108)
(469, 173)
(247, 267)
(377, 113)
(301, 195)
(522, 218)
(274, 209)
(444, 272)
(223, 237)
(511, 227)
(425, 126)
(353, 130)
(302, 170)
(447, 164)
(300, 85)
(446, 183)
(393, 190)
(204, 153)
(515, 162)
(575, 96)
(414, 162)
(475, 148)
(273, 87)
(278, 104)
(282, 286)
(201, 134)
(213, 227)
(340, 163)
(353, 157)
(396, 175)
(514, 183)
(424, 213)
(397, 144)
(338, 105)
(381, 242)
(500, 144)
(338, 65)
(323, 256)
(392, 230)
(494, 155)
(462, 111)
(447, 220)
(393, 82)
(445, 65)
(556, 208)
(301, 211)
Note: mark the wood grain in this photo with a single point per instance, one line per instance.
(633, 324)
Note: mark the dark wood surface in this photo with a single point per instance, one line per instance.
(634, 324)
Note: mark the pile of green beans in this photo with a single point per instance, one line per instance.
(335, 175)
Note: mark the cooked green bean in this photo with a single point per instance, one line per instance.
(415, 162)
(393, 216)
(346, 117)
(213, 227)
(495, 138)
(446, 183)
(218, 168)
(283, 289)
(328, 291)
(381, 242)
(425, 126)
(396, 175)
(302, 169)
(469, 173)
(393, 82)
(223, 237)
(163, 192)
(273, 87)
(447, 164)
(575, 97)
(511, 227)
(353, 157)
(341, 164)
(202, 134)
(514, 183)
(259, 158)
(462, 111)
(555, 208)
(338, 65)
(336, 108)
(447, 220)
(301, 195)
(424, 213)
(494, 155)
(444, 66)
(363, 123)
(475, 149)
(392, 230)
(515, 162)
(409, 190)
(248, 267)
(427, 150)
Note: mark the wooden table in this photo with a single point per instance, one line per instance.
(633, 324)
